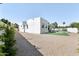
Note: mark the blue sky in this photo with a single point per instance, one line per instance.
(53, 12)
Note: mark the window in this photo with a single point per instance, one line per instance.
(42, 26)
(46, 26)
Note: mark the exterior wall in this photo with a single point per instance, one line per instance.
(72, 30)
(45, 28)
(21, 28)
(35, 26)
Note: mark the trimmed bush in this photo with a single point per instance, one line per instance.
(9, 41)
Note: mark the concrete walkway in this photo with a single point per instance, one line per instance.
(24, 48)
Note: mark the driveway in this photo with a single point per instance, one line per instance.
(24, 48)
(54, 45)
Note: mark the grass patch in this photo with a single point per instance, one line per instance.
(77, 50)
(60, 33)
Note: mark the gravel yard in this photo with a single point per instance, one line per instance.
(54, 45)
(24, 48)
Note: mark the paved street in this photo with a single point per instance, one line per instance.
(24, 48)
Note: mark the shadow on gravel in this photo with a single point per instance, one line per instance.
(25, 48)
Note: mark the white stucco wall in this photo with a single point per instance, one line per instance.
(21, 28)
(34, 26)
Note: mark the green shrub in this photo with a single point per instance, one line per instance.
(1, 53)
(9, 42)
(8, 38)
(64, 29)
(8, 48)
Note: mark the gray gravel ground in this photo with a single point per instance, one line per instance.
(24, 48)
(54, 45)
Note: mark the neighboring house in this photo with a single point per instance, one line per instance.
(72, 30)
(57, 29)
(36, 25)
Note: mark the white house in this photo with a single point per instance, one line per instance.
(72, 30)
(36, 25)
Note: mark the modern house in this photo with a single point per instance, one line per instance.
(36, 25)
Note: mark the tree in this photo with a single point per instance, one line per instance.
(49, 27)
(55, 25)
(75, 25)
(8, 48)
(52, 25)
(64, 23)
(6, 21)
(16, 25)
(9, 41)
(1, 53)
(24, 25)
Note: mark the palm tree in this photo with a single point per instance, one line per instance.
(24, 25)
(64, 23)
(63, 26)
